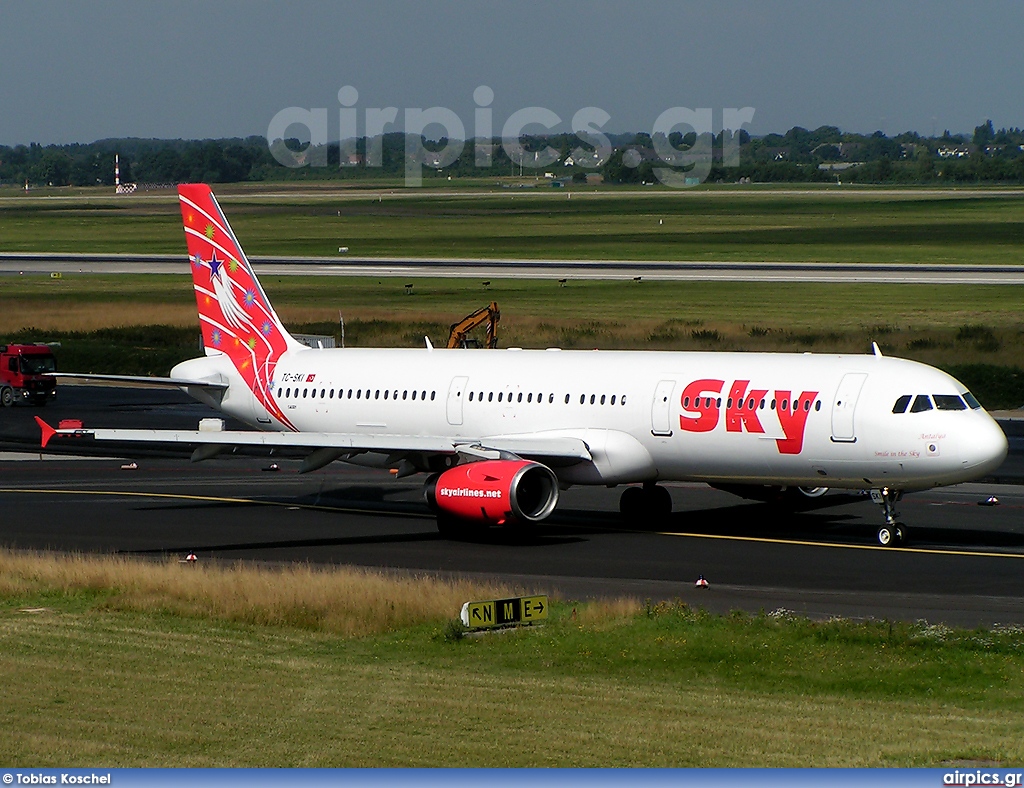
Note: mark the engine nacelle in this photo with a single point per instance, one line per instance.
(494, 491)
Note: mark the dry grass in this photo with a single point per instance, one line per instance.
(16, 316)
(607, 612)
(344, 601)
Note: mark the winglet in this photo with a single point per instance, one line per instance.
(48, 431)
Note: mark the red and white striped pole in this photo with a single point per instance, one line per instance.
(117, 172)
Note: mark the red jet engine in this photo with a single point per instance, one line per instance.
(494, 492)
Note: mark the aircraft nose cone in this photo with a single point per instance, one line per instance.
(984, 448)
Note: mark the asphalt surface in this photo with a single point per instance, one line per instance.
(964, 565)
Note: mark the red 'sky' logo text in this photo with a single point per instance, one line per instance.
(743, 410)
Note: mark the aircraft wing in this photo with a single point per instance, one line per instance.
(539, 446)
(140, 381)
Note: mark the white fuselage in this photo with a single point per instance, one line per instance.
(646, 416)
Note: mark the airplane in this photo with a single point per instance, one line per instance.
(499, 433)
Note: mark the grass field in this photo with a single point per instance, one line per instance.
(907, 226)
(252, 668)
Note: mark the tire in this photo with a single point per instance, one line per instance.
(659, 501)
(631, 502)
(885, 536)
(6, 397)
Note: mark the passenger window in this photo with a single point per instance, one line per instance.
(623, 400)
(613, 399)
(901, 404)
(304, 393)
(602, 399)
(490, 396)
(432, 395)
(972, 400)
(520, 397)
(921, 404)
(948, 402)
(566, 399)
(471, 396)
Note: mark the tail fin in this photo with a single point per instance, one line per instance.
(235, 314)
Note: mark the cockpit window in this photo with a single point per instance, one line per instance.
(901, 404)
(921, 403)
(948, 402)
(972, 401)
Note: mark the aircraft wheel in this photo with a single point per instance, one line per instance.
(659, 501)
(900, 534)
(885, 535)
(631, 502)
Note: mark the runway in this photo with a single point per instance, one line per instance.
(965, 565)
(682, 270)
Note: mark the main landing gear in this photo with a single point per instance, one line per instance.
(647, 501)
(892, 533)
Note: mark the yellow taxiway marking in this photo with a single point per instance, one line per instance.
(206, 498)
(802, 542)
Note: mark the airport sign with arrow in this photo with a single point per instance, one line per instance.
(505, 612)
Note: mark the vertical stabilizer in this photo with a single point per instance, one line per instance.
(235, 315)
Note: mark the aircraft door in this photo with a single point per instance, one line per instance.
(661, 420)
(844, 405)
(456, 392)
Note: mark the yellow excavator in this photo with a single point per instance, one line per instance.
(459, 336)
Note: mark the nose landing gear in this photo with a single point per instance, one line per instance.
(892, 533)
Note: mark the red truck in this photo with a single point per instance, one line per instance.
(23, 375)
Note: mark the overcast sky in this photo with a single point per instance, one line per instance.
(77, 72)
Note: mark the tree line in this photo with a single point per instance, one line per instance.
(800, 155)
